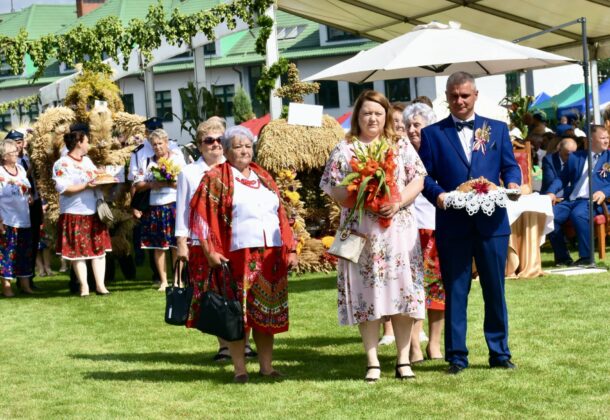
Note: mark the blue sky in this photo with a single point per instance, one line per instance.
(5, 5)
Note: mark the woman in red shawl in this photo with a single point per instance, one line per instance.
(238, 216)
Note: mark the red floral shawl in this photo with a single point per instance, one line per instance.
(212, 204)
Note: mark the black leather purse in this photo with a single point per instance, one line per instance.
(178, 299)
(219, 315)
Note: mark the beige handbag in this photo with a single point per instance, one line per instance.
(104, 212)
(347, 245)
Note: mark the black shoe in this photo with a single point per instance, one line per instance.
(503, 364)
(454, 369)
(371, 380)
(397, 375)
(222, 355)
(564, 263)
(582, 262)
(249, 353)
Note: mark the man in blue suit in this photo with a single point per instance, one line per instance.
(574, 182)
(552, 164)
(452, 156)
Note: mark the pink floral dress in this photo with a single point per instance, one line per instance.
(388, 278)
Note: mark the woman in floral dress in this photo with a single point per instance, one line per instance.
(388, 278)
(159, 220)
(15, 227)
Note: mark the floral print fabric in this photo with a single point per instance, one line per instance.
(435, 291)
(15, 252)
(81, 237)
(388, 278)
(158, 225)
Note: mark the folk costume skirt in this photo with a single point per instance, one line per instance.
(198, 272)
(158, 226)
(262, 287)
(82, 237)
(15, 252)
(433, 284)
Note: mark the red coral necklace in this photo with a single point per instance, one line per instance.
(254, 183)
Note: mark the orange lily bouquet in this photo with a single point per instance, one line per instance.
(372, 182)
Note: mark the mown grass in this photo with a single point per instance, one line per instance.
(113, 357)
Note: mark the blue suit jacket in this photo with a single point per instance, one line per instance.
(447, 166)
(551, 168)
(573, 170)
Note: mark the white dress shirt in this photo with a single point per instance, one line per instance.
(581, 189)
(466, 136)
(188, 182)
(255, 222)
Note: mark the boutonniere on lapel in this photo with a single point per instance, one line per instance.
(603, 172)
(481, 137)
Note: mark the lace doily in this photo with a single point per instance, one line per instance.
(474, 202)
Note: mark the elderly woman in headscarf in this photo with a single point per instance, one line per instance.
(237, 214)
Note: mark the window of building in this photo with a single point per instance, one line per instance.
(334, 34)
(254, 75)
(398, 90)
(128, 103)
(163, 99)
(5, 68)
(289, 32)
(209, 49)
(5, 120)
(225, 93)
(512, 83)
(328, 95)
(31, 112)
(356, 89)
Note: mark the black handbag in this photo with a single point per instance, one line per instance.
(219, 315)
(141, 200)
(178, 299)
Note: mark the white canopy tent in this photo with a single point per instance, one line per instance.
(382, 20)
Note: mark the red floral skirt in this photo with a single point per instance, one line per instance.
(435, 292)
(261, 284)
(198, 272)
(81, 237)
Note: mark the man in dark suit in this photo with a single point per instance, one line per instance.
(452, 156)
(574, 182)
(552, 164)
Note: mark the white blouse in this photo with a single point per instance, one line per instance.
(68, 171)
(14, 198)
(188, 182)
(165, 195)
(255, 222)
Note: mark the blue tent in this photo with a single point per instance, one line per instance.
(578, 107)
(542, 96)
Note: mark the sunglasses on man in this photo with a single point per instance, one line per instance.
(211, 140)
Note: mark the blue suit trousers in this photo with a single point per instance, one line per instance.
(577, 212)
(456, 256)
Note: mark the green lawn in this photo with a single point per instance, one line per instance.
(114, 357)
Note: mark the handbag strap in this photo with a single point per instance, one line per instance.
(185, 276)
(224, 273)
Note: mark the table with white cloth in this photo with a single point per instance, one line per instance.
(531, 219)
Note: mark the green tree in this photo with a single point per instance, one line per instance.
(242, 106)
